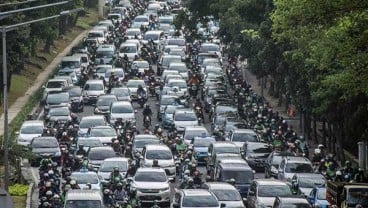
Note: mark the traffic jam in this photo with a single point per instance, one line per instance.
(144, 114)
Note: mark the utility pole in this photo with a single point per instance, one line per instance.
(4, 30)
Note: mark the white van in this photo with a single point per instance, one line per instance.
(83, 198)
(98, 34)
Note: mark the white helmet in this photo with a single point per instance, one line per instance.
(321, 146)
(317, 151)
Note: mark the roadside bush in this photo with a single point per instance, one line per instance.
(18, 190)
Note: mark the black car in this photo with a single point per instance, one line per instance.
(102, 106)
(60, 115)
(56, 99)
(256, 153)
(75, 98)
(273, 161)
(41, 146)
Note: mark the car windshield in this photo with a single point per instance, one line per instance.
(150, 176)
(57, 98)
(227, 149)
(83, 203)
(208, 48)
(94, 87)
(132, 32)
(141, 19)
(225, 109)
(177, 83)
(241, 177)
(141, 64)
(178, 42)
(203, 142)
(55, 84)
(167, 60)
(167, 100)
(70, 64)
(321, 194)
(59, 112)
(200, 201)
(128, 49)
(358, 196)
(135, 83)
(151, 36)
(298, 168)
(179, 68)
(88, 123)
(108, 166)
(227, 195)
(90, 142)
(122, 109)
(95, 35)
(190, 134)
(244, 137)
(310, 182)
(258, 148)
(31, 130)
(143, 142)
(85, 178)
(101, 70)
(75, 92)
(118, 73)
(159, 155)
(100, 154)
(104, 54)
(44, 143)
(103, 132)
(105, 101)
(120, 92)
(185, 117)
(274, 190)
(296, 205)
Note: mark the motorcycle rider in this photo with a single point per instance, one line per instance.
(133, 201)
(147, 111)
(45, 161)
(120, 193)
(155, 164)
(75, 119)
(107, 198)
(115, 176)
(81, 150)
(141, 92)
(193, 82)
(359, 176)
(347, 171)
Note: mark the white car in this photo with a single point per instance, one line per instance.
(140, 20)
(84, 177)
(226, 194)
(152, 184)
(29, 130)
(180, 67)
(102, 69)
(140, 66)
(92, 89)
(122, 109)
(181, 85)
(132, 33)
(104, 133)
(162, 154)
(128, 49)
(108, 165)
(133, 84)
(184, 118)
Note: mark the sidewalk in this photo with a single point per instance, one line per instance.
(17, 106)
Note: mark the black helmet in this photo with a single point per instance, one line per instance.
(140, 87)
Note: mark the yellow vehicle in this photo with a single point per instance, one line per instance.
(346, 195)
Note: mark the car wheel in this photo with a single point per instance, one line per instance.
(266, 174)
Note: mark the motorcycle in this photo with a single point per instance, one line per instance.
(147, 122)
(152, 89)
(199, 114)
(142, 99)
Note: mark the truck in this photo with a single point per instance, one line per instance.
(346, 195)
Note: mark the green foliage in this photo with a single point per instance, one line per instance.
(18, 190)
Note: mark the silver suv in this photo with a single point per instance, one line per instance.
(291, 165)
(152, 185)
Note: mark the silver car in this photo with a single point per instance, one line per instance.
(226, 194)
(29, 130)
(152, 184)
(108, 165)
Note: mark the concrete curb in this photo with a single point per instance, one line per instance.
(29, 195)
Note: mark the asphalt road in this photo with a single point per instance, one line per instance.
(89, 110)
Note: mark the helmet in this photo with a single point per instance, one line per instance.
(67, 187)
(317, 151)
(119, 184)
(190, 180)
(140, 87)
(347, 162)
(301, 138)
(189, 152)
(51, 172)
(147, 106)
(116, 169)
(159, 130)
(73, 182)
(64, 134)
(48, 184)
(46, 204)
(45, 175)
(186, 172)
(56, 196)
(106, 191)
(48, 193)
(320, 146)
(338, 173)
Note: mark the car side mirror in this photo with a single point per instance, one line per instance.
(222, 205)
(43, 87)
(171, 180)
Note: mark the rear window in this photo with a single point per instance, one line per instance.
(83, 203)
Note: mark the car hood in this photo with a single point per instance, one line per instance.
(201, 149)
(28, 137)
(150, 185)
(233, 204)
(104, 139)
(123, 115)
(268, 201)
(94, 93)
(95, 162)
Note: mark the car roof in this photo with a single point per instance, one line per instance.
(81, 194)
(297, 159)
(94, 81)
(33, 123)
(44, 137)
(270, 182)
(102, 127)
(235, 166)
(184, 111)
(223, 144)
(154, 32)
(220, 186)
(121, 103)
(293, 199)
(128, 44)
(93, 117)
(148, 169)
(157, 147)
(145, 136)
(244, 131)
(190, 128)
(113, 159)
(104, 148)
(70, 58)
(196, 192)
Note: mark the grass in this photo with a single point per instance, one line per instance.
(21, 82)
(19, 201)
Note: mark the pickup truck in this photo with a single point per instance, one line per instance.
(346, 195)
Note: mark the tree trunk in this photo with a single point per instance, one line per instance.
(315, 135)
(271, 90)
(330, 143)
(307, 125)
(47, 46)
(280, 99)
